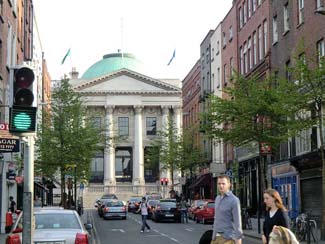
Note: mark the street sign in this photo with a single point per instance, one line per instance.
(229, 172)
(9, 145)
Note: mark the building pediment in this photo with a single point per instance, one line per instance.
(125, 81)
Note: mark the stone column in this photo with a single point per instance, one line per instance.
(164, 127)
(138, 161)
(109, 150)
(177, 119)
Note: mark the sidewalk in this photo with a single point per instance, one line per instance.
(254, 232)
(3, 238)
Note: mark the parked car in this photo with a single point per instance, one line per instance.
(195, 206)
(53, 226)
(206, 213)
(114, 209)
(133, 204)
(151, 205)
(166, 210)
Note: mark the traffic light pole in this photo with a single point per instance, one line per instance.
(28, 191)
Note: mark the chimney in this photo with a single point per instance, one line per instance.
(74, 73)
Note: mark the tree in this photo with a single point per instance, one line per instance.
(257, 111)
(191, 154)
(165, 148)
(67, 139)
(309, 75)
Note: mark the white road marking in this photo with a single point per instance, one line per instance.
(189, 229)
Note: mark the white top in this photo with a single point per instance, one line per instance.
(144, 208)
(272, 213)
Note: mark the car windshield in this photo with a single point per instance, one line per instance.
(211, 205)
(152, 202)
(56, 221)
(109, 197)
(168, 204)
(135, 199)
(114, 204)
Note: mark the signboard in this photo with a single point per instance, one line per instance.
(9, 145)
(8, 142)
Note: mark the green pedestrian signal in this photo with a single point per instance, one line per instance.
(22, 119)
(22, 113)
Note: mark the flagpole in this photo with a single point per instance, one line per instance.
(122, 40)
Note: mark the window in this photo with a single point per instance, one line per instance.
(207, 54)
(265, 37)
(9, 46)
(245, 58)
(232, 70)
(275, 29)
(151, 125)
(287, 70)
(260, 43)
(249, 51)
(286, 18)
(259, 2)
(230, 33)
(218, 77)
(303, 143)
(241, 60)
(225, 75)
(218, 47)
(249, 5)
(301, 11)
(224, 39)
(96, 121)
(212, 54)
(123, 126)
(241, 18)
(319, 4)
(320, 50)
(254, 48)
(254, 5)
(245, 12)
(212, 82)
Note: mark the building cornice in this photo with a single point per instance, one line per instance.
(123, 92)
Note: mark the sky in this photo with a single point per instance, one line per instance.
(149, 29)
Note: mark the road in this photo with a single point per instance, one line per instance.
(128, 231)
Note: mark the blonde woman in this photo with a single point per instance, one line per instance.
(276, 214)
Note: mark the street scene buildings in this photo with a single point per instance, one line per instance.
(256, 38)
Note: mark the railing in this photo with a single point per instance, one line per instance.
(137, 190)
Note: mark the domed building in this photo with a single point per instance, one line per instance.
(125, 102)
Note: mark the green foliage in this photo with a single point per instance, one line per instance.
(67, 137)
(258, 110)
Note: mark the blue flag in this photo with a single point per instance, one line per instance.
(172, 57)
(65, 57)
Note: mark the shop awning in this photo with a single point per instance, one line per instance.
(203, 180)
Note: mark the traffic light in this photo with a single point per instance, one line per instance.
(22, 113)
(164, 181)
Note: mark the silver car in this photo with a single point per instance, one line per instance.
(58, 226)
(114, 209)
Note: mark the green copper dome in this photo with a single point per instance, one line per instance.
(113, 62)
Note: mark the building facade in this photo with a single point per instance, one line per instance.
(297, 30)
(131, 108)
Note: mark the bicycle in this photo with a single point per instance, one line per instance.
(247, 222)
(306, 231)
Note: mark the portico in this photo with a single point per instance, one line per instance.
(130, 108)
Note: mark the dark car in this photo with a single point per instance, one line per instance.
(166, 210)
(151, 205)
(133, 204)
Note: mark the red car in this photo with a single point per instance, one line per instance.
(206, 213)
(196, 206)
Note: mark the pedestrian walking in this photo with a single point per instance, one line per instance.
(183, 206)
(276, 213)
(144, 215)
(12, 205)
(227, 227)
